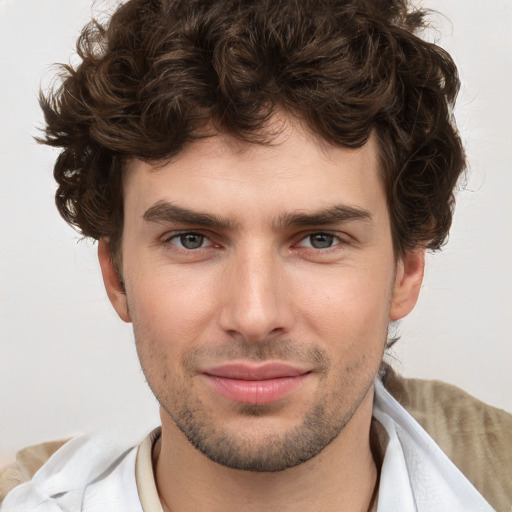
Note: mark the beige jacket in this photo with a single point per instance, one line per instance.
(475, 436)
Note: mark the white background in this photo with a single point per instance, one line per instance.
(68, 365)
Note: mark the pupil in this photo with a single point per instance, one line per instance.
(322, 240)
(191, 241)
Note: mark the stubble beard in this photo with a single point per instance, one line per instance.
(272, 451)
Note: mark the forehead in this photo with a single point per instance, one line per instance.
(295, 170)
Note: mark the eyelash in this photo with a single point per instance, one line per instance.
(336, 239)
(176, 236)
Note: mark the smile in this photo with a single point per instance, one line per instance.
(259, 385)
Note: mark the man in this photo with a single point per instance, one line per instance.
(263, 179)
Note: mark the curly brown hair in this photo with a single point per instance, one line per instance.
(162, 71)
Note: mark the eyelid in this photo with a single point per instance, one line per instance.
(342, 237)
(169, 236)
(335, 237)
(171, 233)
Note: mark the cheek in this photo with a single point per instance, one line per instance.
(165, 326)
(168, 312)
(353, 306)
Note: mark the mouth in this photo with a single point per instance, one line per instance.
(255, 384)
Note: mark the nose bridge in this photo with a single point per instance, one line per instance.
(254, 304)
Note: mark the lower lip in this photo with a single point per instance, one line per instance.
(256, 392)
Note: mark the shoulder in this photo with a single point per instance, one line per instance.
(28, 462)
(475, 436)
(69, 474)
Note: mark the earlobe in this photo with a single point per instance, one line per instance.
(115, 289)
(408, 280)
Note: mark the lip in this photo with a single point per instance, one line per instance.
(255, 384)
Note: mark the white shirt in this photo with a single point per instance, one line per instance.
(105, 474)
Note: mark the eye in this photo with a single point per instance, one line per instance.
(190, 241)
(319, 241)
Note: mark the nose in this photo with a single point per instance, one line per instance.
(255, 303)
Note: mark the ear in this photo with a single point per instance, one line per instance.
(115, 289)
(409, 276)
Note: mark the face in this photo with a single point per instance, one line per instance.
(260, 281)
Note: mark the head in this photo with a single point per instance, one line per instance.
(268, 99)
(164, 73)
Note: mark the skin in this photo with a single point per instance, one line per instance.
(262, 274)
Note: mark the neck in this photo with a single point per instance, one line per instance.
(342, 477)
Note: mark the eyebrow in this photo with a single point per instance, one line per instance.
(331, 215)
(166, 212)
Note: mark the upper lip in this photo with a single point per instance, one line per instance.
(248, 371)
